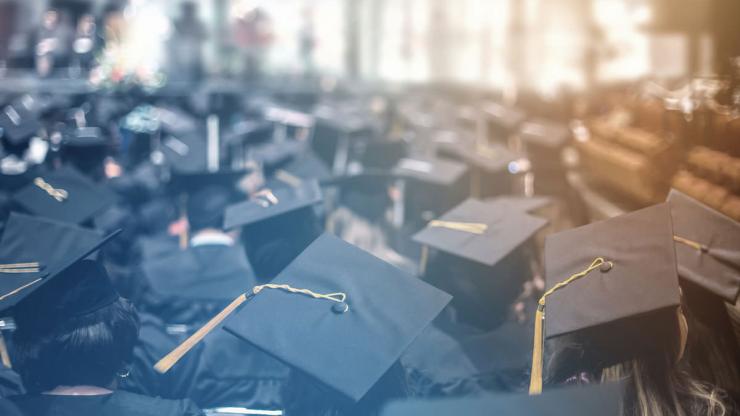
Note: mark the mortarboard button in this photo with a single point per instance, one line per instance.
(606, 266)
(340, 308)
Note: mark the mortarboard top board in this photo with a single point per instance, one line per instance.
(185, 153)
(84, 137)
(346, 345)
(707, 246)
(544, 133)
(18, 126)
(190, 182)
(272, 204)
(54, 247)
(434, 171)
(492, 158)
(65, 195)
(174, 120)
(616, 289)
(485, 235)
(511, 203)
(583, 400)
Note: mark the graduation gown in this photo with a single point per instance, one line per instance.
(117, 403)
(449, 359)
(191, 286)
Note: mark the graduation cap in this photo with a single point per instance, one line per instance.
(34, 252)
(612, 287)
(491, 165)
(185, 153)
(707, 246)
(476, 231)
(65, 195)
(336, 313)
(18, 126)
(432, 185)
(270, 204)
(84, 138)
(596, 399)
(477, 258)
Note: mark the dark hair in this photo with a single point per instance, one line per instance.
(206, 207)
(306, 397)
(84, 350)
(272, 244)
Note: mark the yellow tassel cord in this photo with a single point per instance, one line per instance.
(690, 243)
(30, 267)
(535, 381)
(265, 198)
(169, 360)
(468, 227)
(57, 193)
(18, 290)
(4, 356)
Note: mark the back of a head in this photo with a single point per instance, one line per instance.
(74, 331)
(206, 206)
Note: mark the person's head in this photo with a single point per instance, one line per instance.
(75, 330)
(306, 397)
(206, 207)
(91, 350)
(659, 383)
(272, 244)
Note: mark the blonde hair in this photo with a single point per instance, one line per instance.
(678, 395)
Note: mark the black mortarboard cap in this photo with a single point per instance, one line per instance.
(707, 246)
(54, 247)
(433, 171)
(85, 137)
(64, 195)
(479, 258)
(596, 399)
(616, 289)
(493, 233)
(347, 345)
(185, 153)
(18, 126)
(272, 204)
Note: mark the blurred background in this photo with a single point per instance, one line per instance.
(608, 103)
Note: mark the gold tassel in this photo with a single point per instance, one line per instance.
(175, 355)
(690, 243)
(169, 360)
(4, 356)
(468, 227)
(535, 380)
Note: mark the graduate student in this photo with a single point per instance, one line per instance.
(340, 318)
(75, 334)
(614, 311)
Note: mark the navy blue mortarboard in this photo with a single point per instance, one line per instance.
(269, 204)
(612, 287)
(18, 126)
(84, 137)
(707, 246)
(64, 195)
(336, 313)
(35, 252)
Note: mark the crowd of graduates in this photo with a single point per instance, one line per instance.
(353, 250)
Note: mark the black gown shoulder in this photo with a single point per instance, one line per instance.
(191, 286)
(114, 404)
